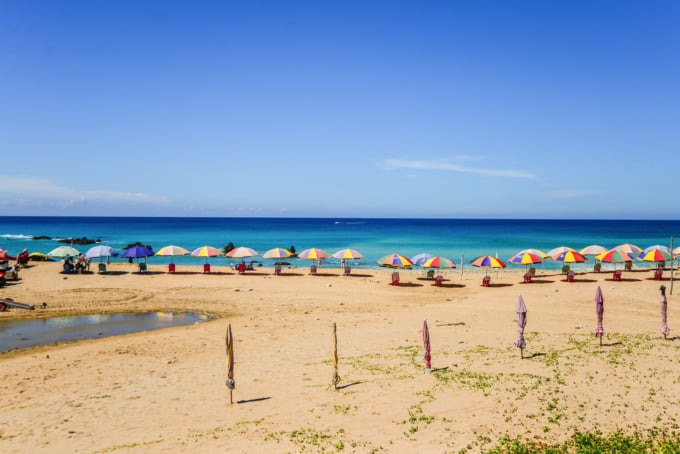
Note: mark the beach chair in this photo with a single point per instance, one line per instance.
(171, 268)
(395, 278)
(102, 268)
(277, 270)
(532, 271)
(438, 281)
(312, 269)
(347, 271)
(597, 268)
(565, 269)
(241, 268)
(142, 267)
(527, 278)
(617, 275)
(628, 266)
(430, 275)
(486, 281)
(658, 274)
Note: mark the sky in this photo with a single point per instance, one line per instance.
(437, 109)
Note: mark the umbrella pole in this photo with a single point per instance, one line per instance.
(336, 378)
(521, 353)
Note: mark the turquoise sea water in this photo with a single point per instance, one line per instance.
(374, 238)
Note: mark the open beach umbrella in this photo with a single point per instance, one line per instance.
(676, 251)
(171, 251)
(395, 261)
(100, 252)
(231, 384)
(599, 310)
(136, 252)
(205, 251)
(348, 254)
(242, 252)
(36, 256)
(657, 246)
(521, 313)
(534, 251)
(614, 256)
(655, 255)
(277, 253)
(629, 248)
(559, 250)
(664, 312)
(593, 249)
(570, 256)
(419, 259)
(63, 251)
(525, 258)
(438, 262)
(487, 261)
(313, 254)
(426, 344)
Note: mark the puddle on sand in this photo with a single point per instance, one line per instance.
(29, 333)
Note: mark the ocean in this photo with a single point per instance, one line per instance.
(452, 238)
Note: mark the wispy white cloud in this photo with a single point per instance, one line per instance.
(453, 167)
(29, 190)
(572, 193)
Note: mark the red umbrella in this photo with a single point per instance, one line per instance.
(426, 342)
(599, 309)
(521, 311)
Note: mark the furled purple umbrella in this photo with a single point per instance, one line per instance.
(664, 310)
(521, 311)
(599, 309)
(426, 343)
(231, 384)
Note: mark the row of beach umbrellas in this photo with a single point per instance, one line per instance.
(620, 254)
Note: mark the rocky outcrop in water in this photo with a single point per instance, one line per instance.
(82, 240)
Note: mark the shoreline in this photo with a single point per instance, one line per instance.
(164, 390)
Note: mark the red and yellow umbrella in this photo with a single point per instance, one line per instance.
(487, 261)
(655, 255)
(614, 256)
(525, 258)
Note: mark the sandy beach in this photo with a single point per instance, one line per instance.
(164, 390)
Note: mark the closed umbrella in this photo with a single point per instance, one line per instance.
(664, 312)
(231, 384)
(426, 344)
(521, 313)
(336, 377)
(599, 310)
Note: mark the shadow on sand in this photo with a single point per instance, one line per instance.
(348, 385)
(257, 399)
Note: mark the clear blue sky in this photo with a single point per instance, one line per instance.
(537, 109)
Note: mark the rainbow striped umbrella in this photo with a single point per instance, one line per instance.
(569, 256)
(655, 255)
(525, 258)
(438, 262)
(205, 251)
(537, 252)
(313, 254)
(593, 249)
(614, 256)
(629, 248)
(171, 250)
(242, 252)
(277, 253)
(559, 250)
(395, 261)
(487, 261)
(348, 254)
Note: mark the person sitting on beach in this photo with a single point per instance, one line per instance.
(68, 264)
(22, 258)
(80, 263)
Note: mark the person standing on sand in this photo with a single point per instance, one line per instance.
(664, 311)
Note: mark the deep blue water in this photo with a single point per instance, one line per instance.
(374, 238)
